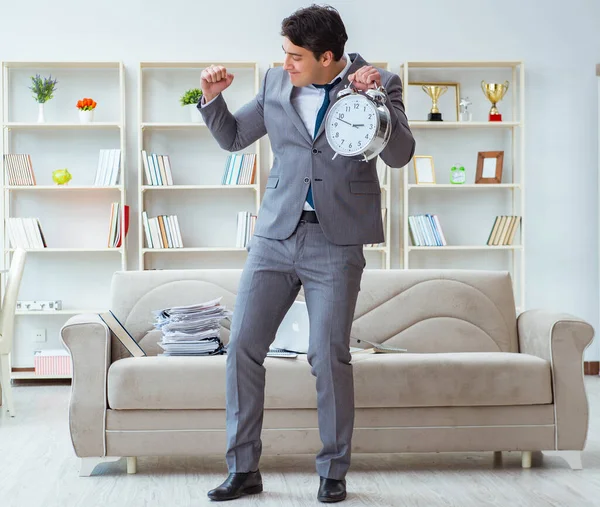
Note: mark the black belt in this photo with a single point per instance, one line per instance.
(309, 216)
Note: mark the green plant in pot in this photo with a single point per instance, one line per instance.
(43, 90)
(190, 100)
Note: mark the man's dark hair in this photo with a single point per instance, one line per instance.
(318, 29)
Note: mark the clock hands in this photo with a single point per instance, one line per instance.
(348, 123)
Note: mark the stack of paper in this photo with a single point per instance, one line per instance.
(192, 330)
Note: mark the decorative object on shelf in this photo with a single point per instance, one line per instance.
(489, 167)
(86, 108)
(457, 175)
(465, 114)
(434, 92)
(190, 100)
(424, 170)
(45, 305)
(43, 90)
(446, 104)
(61, 176)
(361, 120)
(494, 93)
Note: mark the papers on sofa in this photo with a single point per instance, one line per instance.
(191, 330)
(375, 348)
(119, 331)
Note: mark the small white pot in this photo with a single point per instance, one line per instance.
(86, 116)
(195, 116)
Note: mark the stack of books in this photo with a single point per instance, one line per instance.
(157, 169)
(245, 228)
(503, 230)
(425, 230)
(18, 169)
(162, 231)
(192, 330)
(115, 232)
(240, 169)
(109, 165)
(25, 233)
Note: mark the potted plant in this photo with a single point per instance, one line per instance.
(86, 108)
(190, 100)
(43, 91)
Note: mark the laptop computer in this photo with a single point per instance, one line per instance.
(293, 331)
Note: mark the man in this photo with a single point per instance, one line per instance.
(315, 217)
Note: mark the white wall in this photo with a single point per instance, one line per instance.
(560, 52)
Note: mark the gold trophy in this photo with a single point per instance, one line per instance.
(435, 92)
(494, 92)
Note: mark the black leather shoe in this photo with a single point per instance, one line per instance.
(237, 485)
(332, 490)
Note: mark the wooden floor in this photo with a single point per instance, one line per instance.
(39, 469)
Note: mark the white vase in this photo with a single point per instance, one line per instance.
(86, 116)
(41, 118)
(195, 115)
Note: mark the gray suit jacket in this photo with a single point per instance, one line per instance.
(346, 192)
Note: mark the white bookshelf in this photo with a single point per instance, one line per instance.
(378, 256)
(206, 209)
(466, 211)
(75, 217)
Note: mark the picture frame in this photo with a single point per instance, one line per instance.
(419, 105)
(489, 167)
(424, 169)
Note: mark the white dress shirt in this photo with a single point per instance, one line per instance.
(307, 100)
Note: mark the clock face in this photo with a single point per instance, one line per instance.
(351, 124)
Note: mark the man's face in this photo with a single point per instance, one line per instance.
(301, 65)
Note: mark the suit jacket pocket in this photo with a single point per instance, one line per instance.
(365, 187)
(272, 181)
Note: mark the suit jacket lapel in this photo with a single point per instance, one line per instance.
(285, 99)
(357, 63)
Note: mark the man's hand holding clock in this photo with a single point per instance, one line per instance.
(364, 78)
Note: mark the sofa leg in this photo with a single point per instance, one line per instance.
(132, 465)
(526, 459)
(88, 464)
(573, 458)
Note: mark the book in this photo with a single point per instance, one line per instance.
(122, 334)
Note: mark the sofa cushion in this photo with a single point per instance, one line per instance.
(380, 380)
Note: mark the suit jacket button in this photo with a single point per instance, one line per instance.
(315, 151)
(306, 180)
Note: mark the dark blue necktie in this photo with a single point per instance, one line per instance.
(320, 116)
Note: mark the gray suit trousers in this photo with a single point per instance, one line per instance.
(270, 281)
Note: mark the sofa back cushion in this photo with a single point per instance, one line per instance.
(421, 310)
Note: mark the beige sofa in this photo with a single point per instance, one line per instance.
(476, 378)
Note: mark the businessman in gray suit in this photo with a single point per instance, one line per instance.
(315, 217)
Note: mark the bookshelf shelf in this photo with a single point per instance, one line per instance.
(75, 217)
(199, 187)
(45, 313)
(63, 188)
(465, 186)
(30, 375)
(192, 249)
(71, 250)
(174, 126)
(466, 247)
(465, 212)
(417, 124)
(195, 163)
(54, 126)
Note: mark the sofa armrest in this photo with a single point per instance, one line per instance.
(561, 339)
(88, 339)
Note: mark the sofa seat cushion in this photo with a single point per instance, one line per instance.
(380, 380)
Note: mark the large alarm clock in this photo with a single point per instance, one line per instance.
(358, 124)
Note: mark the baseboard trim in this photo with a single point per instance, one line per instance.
(591, 367)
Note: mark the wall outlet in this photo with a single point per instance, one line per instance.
(40, 335)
